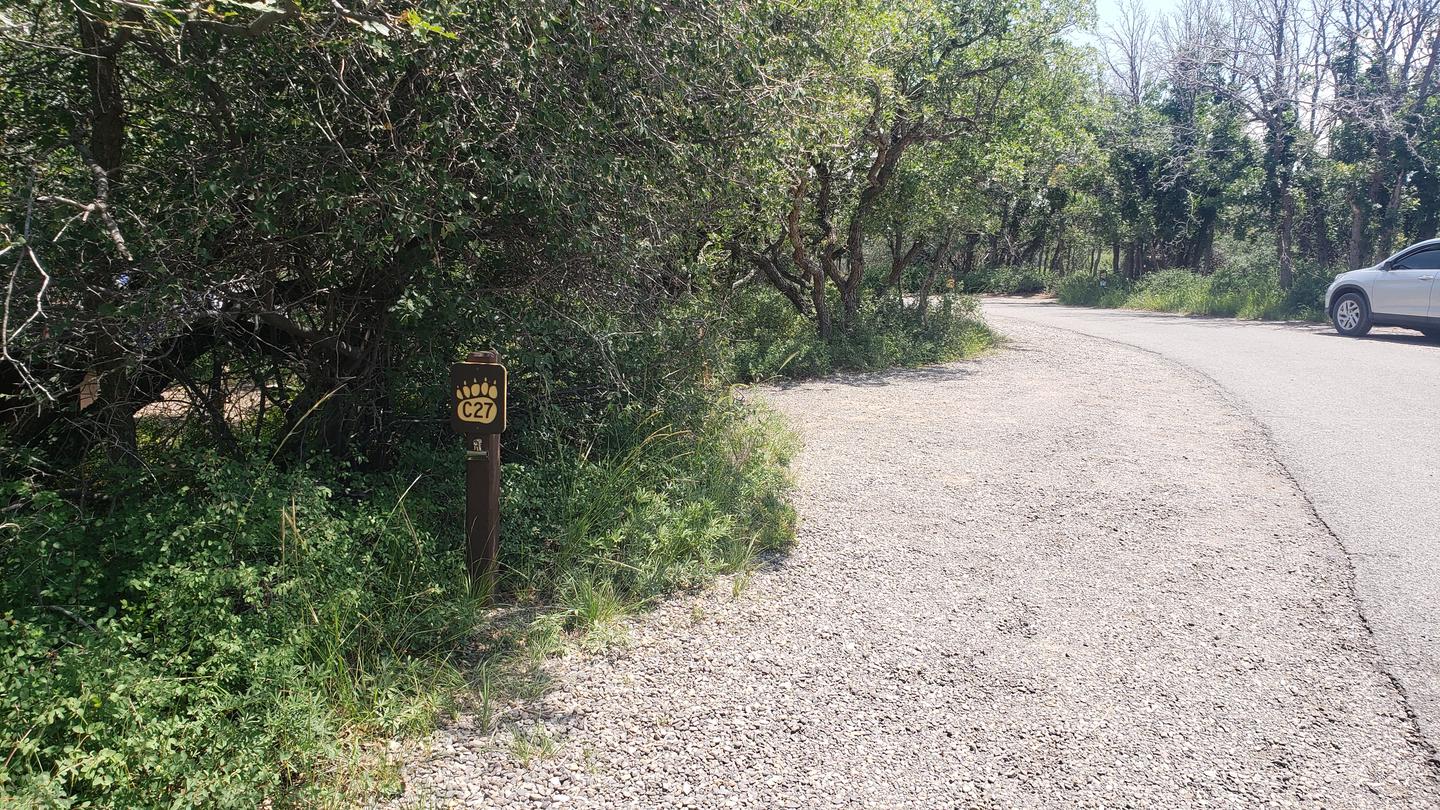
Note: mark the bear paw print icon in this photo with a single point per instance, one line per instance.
(475, 402)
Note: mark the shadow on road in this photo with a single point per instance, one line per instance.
(1387, 336)
(870, 379)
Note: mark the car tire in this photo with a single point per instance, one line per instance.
(1351, 315)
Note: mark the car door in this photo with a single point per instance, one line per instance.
(1405, 288)
(1432, 258)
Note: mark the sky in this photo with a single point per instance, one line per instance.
(1108, 12)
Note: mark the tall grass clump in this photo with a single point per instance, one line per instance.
(778, 342)
(1085, 290)
(601, 534)
(1244, 285)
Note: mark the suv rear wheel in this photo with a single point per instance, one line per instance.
(1351, 315)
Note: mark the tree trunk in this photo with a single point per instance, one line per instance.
(1057, 257)
(1427, 193)
(1361, 247)
(1390, 217)
(967, 265)
(942, 257)
(1357, 233)
(1135, 262)
(822, 309)
(793, 287)
(1285, 242)
(107, 104)
(803, 260)
(900, 259)
(1200, 246)
(889, 148)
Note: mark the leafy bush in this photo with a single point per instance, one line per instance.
(1006, 281)
(1085, 290)
(218, 632)
(1245, 285)
(1306, 297)
(776, 341)
(668, 512)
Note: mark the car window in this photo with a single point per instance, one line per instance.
(1427, 259)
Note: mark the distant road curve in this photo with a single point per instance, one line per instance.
(1356, 422)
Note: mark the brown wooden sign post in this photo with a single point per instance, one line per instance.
(478, 413)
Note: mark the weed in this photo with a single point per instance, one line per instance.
(532, 744)
(588, 603)
(484, 689)
(740, 582)
(544, 638)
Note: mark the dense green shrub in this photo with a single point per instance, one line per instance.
(692, 494)
(1006, 281)
(1085, 290)
(219, 633)
(216, 632)
(776, 341)
(1245, 285)
(213, 632)
(1306, 298)
(781, 343)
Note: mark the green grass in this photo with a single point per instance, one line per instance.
(1244, 284)
(779, 343)
(536, 743)
(1252, 296)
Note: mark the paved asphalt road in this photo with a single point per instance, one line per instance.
(1356, 422)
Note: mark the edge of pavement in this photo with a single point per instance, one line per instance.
(1417, 734)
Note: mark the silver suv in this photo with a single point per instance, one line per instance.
(1400, 291)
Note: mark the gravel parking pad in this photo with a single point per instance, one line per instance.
(1066, 574)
